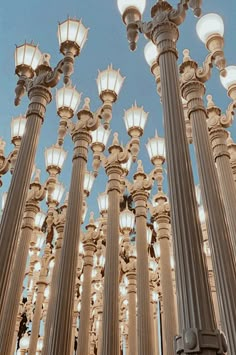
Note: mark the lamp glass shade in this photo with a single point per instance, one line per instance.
(18, 126)
(155, 296)
(68, 97)
(139, 5)
(153, 265)
(100, 135)
(47, 292)
(24, 342)
(156, 147)
(126, 166)
(37, 266)
(135, 117)
(88, 181)
(157, 251)
(109, 80)
(40, 340)
(208, 25)
(127, 219)
(72, 31)
(230, 77)
(150, 53)
(39, 219)
(4, 198)
(55, 156)
(40, 240)
(58, 192)
(155, 226)
(103, 202)
(149, 235)
(99, 260)
(28, 55)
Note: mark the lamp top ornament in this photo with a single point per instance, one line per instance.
(161, 12)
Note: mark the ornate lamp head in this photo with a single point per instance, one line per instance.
(68, 100)
(72, 35)
(156, 149)
(27, 58)
(17, 128)
(54, 158)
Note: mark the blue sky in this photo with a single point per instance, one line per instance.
(37, 20)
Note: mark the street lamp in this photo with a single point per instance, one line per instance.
(162, 30)
(36, 77)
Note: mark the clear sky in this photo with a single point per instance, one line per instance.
(37, 20)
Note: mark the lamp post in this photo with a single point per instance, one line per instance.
(140, 191)
(161, 215)
(192, 88)
(197, 318)
(37, 78)
(89, 249)
(127, 220)
(10, 307)
(60, 341)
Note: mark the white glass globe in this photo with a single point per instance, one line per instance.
(209, 25)
(123, 5)
(230, 77)
(150, 53)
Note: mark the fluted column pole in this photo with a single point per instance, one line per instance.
(139, 191)
(41, 284)
(10, 309)
(132, 325)
(196, 318)
(161, 215)
(59, 225)
(12, 300)
(99, 342)
(83, 339)
(11, 220)
(223, 260)
(110, 332)
(155, 327)
(60, 342)
(218, 138)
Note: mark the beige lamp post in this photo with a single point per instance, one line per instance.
(60, 342)
(195, 317)
(32, 218)
(140, 191)
(99, 262)
(132, 294)
(219, 233)
(59, 221)
(41, 286)
(218, 138)
(37, 78)
(17, 130)
(89, 249)
(161, 215)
